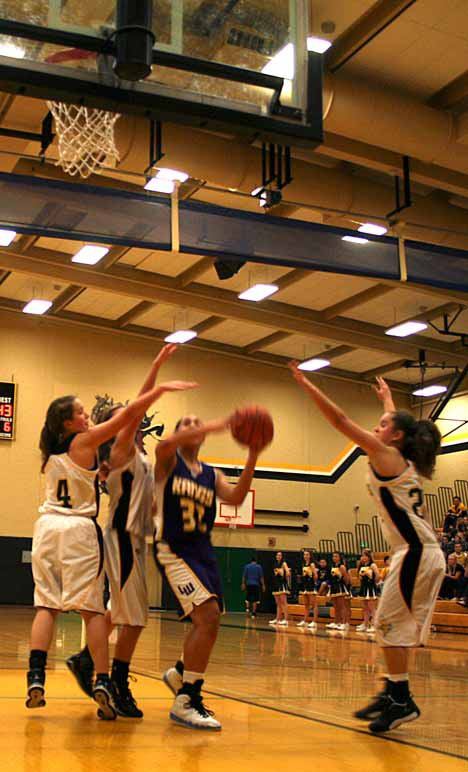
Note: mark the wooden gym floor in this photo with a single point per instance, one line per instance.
(284, 697)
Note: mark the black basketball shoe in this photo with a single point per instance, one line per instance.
(36, 691)
(104, 695)
(375, 708)
(395, 714)
(125, 702)
(82, 667)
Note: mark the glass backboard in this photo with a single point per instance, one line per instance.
(44, 38)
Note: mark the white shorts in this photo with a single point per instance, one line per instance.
(67, 563)
(409, 596)
(125, 561)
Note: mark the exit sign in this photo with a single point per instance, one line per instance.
(7, 410)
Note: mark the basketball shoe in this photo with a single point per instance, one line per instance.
(36, 681)
(81, 666)
(125, 703)
(104, 695)
(394, 714)
(188, 709)
(377, 706)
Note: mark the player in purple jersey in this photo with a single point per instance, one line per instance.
(186, 492)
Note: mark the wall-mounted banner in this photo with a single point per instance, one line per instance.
(7, 410)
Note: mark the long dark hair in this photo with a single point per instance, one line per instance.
(421, 441)
(52, 434)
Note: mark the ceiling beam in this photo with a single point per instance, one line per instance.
(25, 242)
(134, 313)
(66, 296)
(208, 324)
(207, 346)
(4, 276)
(371, 374)
(144, 285)
(364, 29)
(372, 293)
(454, 94)
(269, 340)
(293, 277)
(194, 272)
(113, 256)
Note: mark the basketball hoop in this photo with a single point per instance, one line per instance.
(86, 141)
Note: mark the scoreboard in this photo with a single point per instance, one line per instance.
(7, 410)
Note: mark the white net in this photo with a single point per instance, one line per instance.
(86, 141)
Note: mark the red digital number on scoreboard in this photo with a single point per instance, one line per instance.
(7, 410)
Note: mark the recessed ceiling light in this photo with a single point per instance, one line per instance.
(355, 240)
(159, 185)
(6, 237)
(258, 292)
(319, 45)
(256, 191)
(313, 364)
(11, 50)
(37, 306)
(374, 230)
(172, 174)
(405, 329)
(180, 336)
(430, 391)
(90, 254)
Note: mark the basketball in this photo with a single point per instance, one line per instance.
(252, 426)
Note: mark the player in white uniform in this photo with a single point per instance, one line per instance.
(67, 553)
(400, 449)
(130, 484)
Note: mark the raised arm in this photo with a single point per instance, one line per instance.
(380, 455)
(124, 445)
(167, 448)
(384, 393)
(235, 494)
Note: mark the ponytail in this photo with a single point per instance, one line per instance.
(421, 441)
(52, 433)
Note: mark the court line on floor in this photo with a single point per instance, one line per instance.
(321, 721)
(318, 634)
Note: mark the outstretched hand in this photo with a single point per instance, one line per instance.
(166, 352)
(382, 389)
(178, 385)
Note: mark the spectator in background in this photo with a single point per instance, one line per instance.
(463, 599)
(385, 569)
(457, 510)
(252, 582)
(452, 586)
(444, 543)
(461, 557)
(280, 590)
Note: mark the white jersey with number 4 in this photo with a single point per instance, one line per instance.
(405, 522)
(70, 489)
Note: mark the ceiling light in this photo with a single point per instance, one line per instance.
(258, 292)
(313, 364)
(319, 45)
(406, 328)
(355, 240)
(90, 254)
(172, 174)
(282, 64)
(6, 237)
(37, 306)
(11, 50)
(159, 185)
(374, 230)
(430, 391)
(180, 336)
